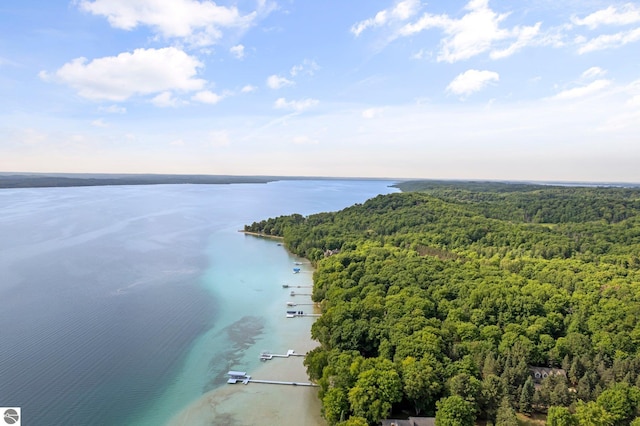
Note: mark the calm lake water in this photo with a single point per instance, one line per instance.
(122, 304)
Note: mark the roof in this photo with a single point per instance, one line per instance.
(412, 421)
(540, 373)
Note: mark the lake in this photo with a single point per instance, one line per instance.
(123, 304)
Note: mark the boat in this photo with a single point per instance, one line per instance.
(296, 270)
(238, 376)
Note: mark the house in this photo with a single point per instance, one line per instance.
(541, 373)
(328, 253)
(412, 421)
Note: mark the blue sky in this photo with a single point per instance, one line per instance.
(480, 89)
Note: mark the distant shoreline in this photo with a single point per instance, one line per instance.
(64, 180)
(70, 180)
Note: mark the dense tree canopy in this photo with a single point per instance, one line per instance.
(457, 290)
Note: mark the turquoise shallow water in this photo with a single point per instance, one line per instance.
(123, 304)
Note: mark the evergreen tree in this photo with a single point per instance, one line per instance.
(506, 414)
(526, 397)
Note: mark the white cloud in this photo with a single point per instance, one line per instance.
(525, 36)
(248, 89)
(99, 123)
(207, 97)
(237, 51)
(628, 14)
(298, 106)
(472, 81)
(371, 113)
(634, 101)
(307, 66)
(277, 82)
(476, 32)
(401, 11)
(142, 72)
(164, 100)
(113, 109)
(610, 41)
(420, 54)
(198, 22)
(580, 92)
(593, 72)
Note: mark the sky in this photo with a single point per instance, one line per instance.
(482, 89)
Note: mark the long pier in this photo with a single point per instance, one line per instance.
(277, 382)
(296, 286)
(245, 379)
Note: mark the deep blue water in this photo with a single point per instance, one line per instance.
(104, 290)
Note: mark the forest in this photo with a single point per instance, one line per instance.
(445, 299)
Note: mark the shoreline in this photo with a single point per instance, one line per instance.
(269, 404)
(257, 403)
(261, 235)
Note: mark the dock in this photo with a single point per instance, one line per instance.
(241, 376)
(277, 382)
(293, 293)
(266, 356)
(238, 376)
(294, 314)
(296, 286)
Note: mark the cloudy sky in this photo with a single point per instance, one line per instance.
(481, 89)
